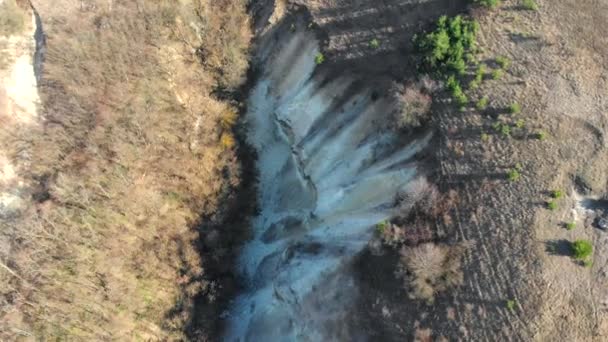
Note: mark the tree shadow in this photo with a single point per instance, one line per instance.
(559, 247)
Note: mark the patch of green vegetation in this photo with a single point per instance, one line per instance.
(511, 303)
(570, 225)
(445, 48)
(588, 263)
(485, 137)
(557, 194)
(505, 130)
(381, 227)
(552, 205)
(530, 5)
(487, 3)
(319, 58)
(480, 73)
(515, 108)
(541, 135)
(482, 104)
(503, 62)
(456, 90)
(374, 43)
(519, 167)
(521, 123)
(513, 175)
(581, 249)
(497, 74)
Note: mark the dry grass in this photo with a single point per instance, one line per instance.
(133, 151)
(12, 18)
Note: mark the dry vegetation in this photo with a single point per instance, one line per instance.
(12, 18)
(133, 150)
(426, 266)
(413, 103)
(430, 268)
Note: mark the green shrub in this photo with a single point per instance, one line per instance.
(513, 175)
(505, 130)
(482, 104)
(521, 123)
(381, 226)
(581, 249)
(445, 48)
(319, 58)
(514, 108)
(497, 74)
(519, 167)
(530, 5)
(557, 194)
(551, 205)
(374, 43)
(503, 61)
(485, 137)
(487, 3)
(541, 135)
(511, 303)
(570, 225)
(457, 93)
(480, 73)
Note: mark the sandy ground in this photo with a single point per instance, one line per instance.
(18, 104)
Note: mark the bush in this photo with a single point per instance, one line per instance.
(381, 227)
(487, 3)
(12, 18)
(503, 62)
(482, 104)
(374, 43)
(480, 73)
(581, 249)
(551, 205)
(433, 268)
(557, 194)
(497, 74)
(570, 225)
(445, 48)
(514, 108)
(457, 93)
(485, 137)
(513, 175)
(505, 130)
(511, 303)
(541, 135)
(413, 106)
(319, 58)
(521, 123)
(530, 5)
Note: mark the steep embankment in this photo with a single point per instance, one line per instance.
(329, 171)
(542, 128)
(131, 155)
